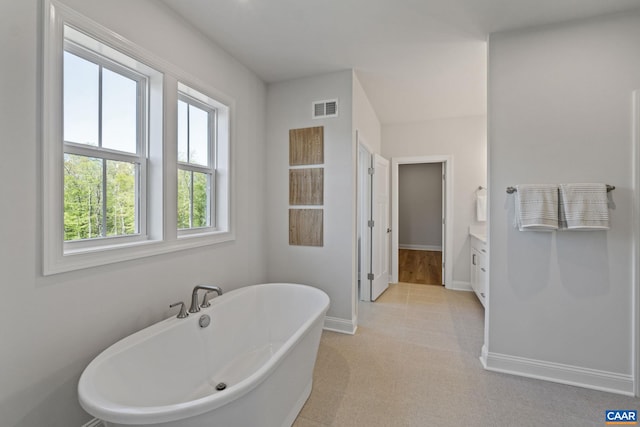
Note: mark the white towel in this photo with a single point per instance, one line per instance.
(584, 207)
(481, 205)
(536, 207)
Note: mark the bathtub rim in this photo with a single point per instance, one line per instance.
(93, 402)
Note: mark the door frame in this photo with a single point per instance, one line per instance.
(363, 209)
(447, 197)
(635, 327)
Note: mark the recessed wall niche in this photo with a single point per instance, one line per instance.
(305, 227)
(306, 146)
(306, 186)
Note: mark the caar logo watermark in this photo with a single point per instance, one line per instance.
(621, 417)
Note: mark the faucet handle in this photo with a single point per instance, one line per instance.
(183, 311)
(209, 289)
(205, 303)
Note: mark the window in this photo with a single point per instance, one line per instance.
(203, 157)
(196, 149)
(104, 116)
(106, 160)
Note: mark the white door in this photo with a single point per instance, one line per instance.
(380, 230)
(365, 164)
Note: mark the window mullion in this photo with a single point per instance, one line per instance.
(100, 106)
(104, 198)
(191, 200)
(213, 156)
(104, 161)
(141, 150)
(212, 139)
(213, 219)
(188, 133)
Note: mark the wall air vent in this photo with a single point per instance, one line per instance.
(324, 109)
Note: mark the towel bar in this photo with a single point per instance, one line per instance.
(511, 190)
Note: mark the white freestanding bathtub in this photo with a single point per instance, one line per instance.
(262, 343)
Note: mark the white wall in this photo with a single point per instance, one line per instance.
(420, 205)
(463, 138)
(51, 327)
(365, 120)
(561, 111)
(331, 267)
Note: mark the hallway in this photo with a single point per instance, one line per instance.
(414, 362)
(420, 267)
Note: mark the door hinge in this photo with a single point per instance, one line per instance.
(443, 220)
(370, 276)
(371, 171)
(371, 223)
(444, 177)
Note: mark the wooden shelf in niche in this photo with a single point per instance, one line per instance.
(305, 227)
(306, 186)
(306, 146)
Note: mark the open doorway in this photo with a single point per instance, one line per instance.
(420, 223)
(445, 165)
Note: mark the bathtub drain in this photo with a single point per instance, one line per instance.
(221, 386)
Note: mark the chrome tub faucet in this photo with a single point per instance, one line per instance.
(194, 297)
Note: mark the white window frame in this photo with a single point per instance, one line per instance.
(139, 158)
(209, 169)
(219, 159)
(161, 144)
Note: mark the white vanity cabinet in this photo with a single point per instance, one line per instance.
(479, 267)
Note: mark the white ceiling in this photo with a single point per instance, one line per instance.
(417, 59)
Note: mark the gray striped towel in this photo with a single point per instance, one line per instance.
(584, 207)
(536, 207)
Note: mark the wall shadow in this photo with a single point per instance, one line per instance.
(583, 262)
(528, 257)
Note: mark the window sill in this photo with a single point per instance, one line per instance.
(96, 256)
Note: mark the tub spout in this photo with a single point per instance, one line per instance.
(194, 296)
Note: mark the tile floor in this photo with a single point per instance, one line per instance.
(414, 362)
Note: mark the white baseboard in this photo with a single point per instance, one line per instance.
(94, 423)
(343, 326)
(461, 286)
(559, 373)
(421, 247)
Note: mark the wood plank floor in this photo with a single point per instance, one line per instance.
(421, 267)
